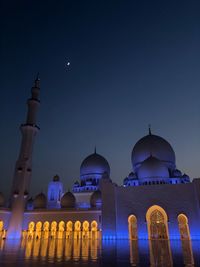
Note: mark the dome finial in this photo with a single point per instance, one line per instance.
(149, 129)
(95, 150)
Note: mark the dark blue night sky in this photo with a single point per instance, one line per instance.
(132, 63)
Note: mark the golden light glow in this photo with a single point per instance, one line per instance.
(85, 230)
(1, 226)
(183, 226)
(132, 227)
(94, 230)
(46, 230)
(31, 227)
(134, 252)
(53, 229)
(77, 230)
(38, 230)
(62, 230)
(2, 230)
(160, 253)
(157, 223)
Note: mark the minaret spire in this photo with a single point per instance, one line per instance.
(23, 167)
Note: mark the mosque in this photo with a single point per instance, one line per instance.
(155, 201)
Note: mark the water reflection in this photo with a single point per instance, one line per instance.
(76, 252)
(160, 253)
(134, 252)
(188, 258)
(61, 249)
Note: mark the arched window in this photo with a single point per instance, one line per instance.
(69, 230)
(157, 223)
(94, 230)
(69, 226)
(1, 226)
(31, 228)
(38, 230)
(85, 230)
(183, 226)
(61, 229)
(53, 229)
(77, 230)
(46, 230)
(132, 227)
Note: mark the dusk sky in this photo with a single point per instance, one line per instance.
(133, 63)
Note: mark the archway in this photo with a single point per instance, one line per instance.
(69, 230)
(38, 230)
(157, 223)
(53, 229)
(1, 228)
(132, 227)
(46, 230)
(183, 227)
(31, 228)
(61, 229)
(94, 230)
(77, 230)
(85, 230)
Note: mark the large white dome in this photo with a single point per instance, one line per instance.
(156, 146)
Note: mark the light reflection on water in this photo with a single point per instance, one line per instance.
(99, 253)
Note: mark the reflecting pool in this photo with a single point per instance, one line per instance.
(87, 252)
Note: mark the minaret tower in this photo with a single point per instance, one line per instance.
(23, 167)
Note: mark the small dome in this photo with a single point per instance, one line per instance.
(185, 176)
(40, 201)
(2, 200)
(176, 173)
(95, 200)
(132, 175)
(156, 146)
(94, 164)
(56, 178)
(68, 200)
(152, 168)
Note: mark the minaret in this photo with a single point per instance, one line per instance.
(23, 167)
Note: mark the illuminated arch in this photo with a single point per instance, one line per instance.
(157, 223)
(61, 229)
(46, 230)
(183, 227)
(77, 230)
(46, 226)
(132, 227)
(39, 225)
(1, 226)
(53, 229)
(94, 230)
(2, 230)
(77, 226)
(69, 226)
(31, 228)
(85, 230)
(38, 230)
(69, 229)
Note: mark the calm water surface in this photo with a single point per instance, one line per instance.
(95, 253)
